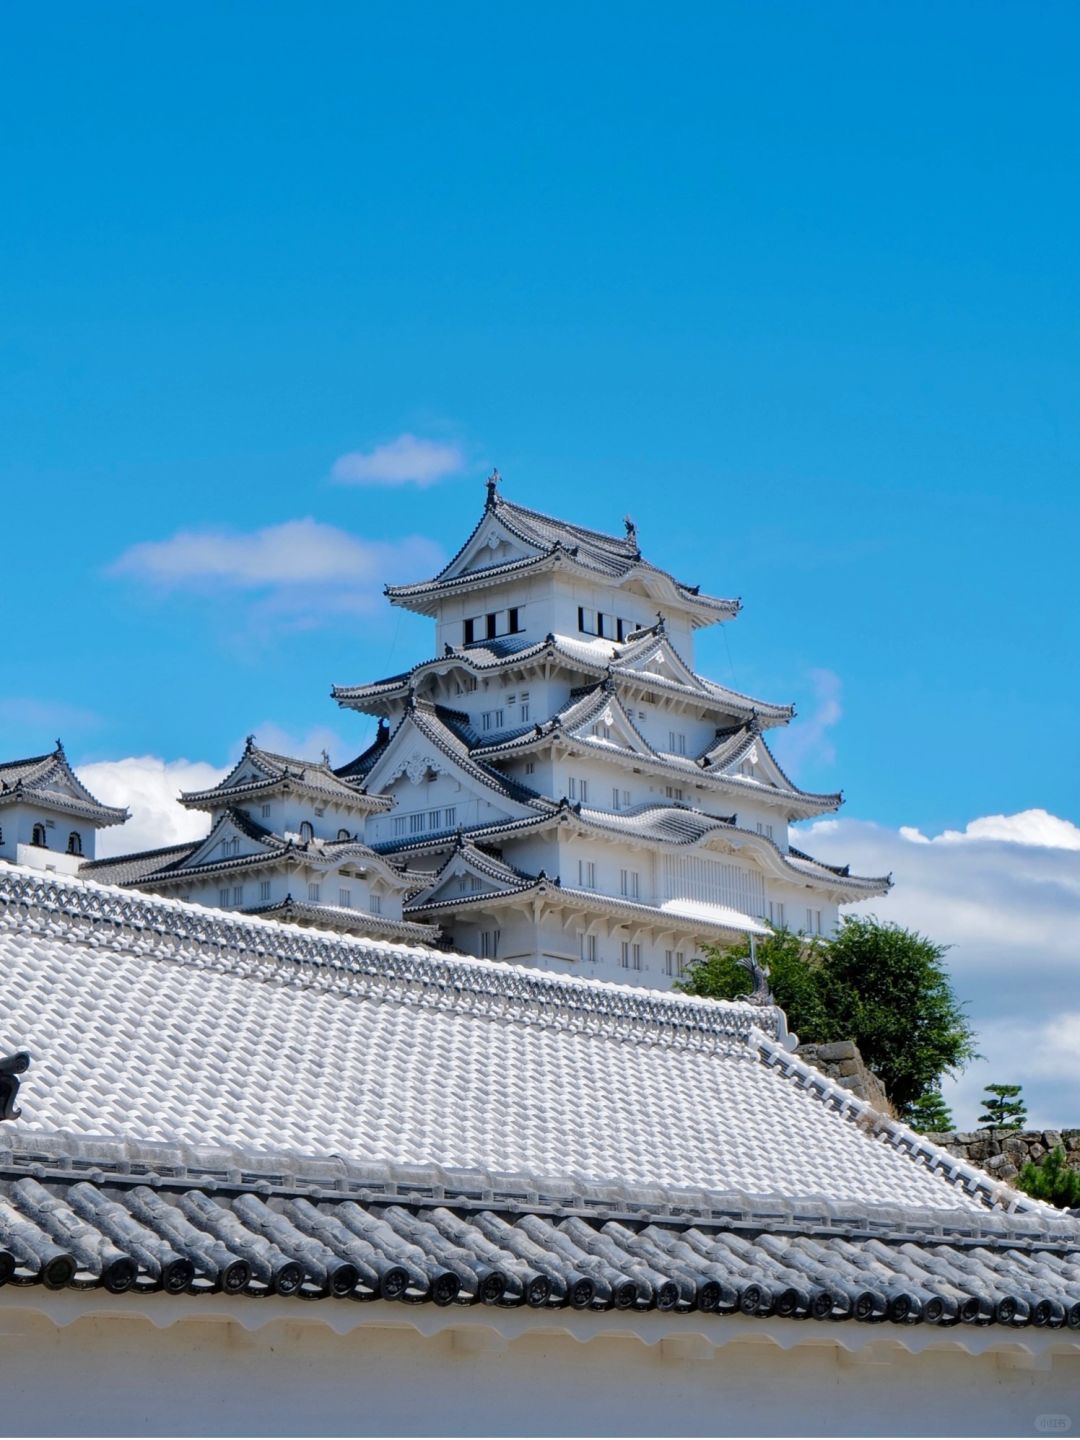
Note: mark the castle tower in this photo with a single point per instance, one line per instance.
(589, 803)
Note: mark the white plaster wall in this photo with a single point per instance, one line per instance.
(104, 1374)
(549, 604)
(440, 793)
(17, 825)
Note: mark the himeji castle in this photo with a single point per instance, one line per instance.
(587, 801)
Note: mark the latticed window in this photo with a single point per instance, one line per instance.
(37, 836)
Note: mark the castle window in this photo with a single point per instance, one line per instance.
(530, 767)
(376, 904)
(345, 899)
(675, 963)
(223, 895)
(588, 947)
(238, 895)
(629, 883)
(38, 836)
(399, 824)
(524, 705)
(492, 623)
(307, 831)
(343, 835)
(416, 824)
(470, 631)
(489, 944)
(266, 812)
(450, 817)
(630, 956)
(513, 617)
(74, 845)
(313, 892)
(586, 874)
(676, 743)
(264, 890)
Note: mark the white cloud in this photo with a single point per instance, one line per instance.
(1005, 894)
(808, 739)
(408, 460)
(148, 786)
(1028, 827)
(301, 570)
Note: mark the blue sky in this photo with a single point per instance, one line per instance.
(794, 285)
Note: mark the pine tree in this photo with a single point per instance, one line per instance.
(1002, 1109)
(1051, 1180)
(930, 1115)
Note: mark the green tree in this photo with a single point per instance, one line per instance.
(930, 1115)
(1050, 1179)
(791, 961)
(1002, 1110)
(873, 982)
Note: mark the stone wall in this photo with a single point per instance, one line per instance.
(1004, 1152)
(841, 1061)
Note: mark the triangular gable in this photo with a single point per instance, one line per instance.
(607, 722)
(414, 754)
(492, 543)
(468, 875)
(659, 658)
(227, 840)
(248, 770)
(753, 760)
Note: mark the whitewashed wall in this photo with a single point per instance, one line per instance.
(104, 1374)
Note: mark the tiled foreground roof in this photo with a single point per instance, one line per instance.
(149, 1221)
(217, 1102)
(164, 1021)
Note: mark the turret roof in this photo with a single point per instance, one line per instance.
(586, 657)
(50, 781)
(714, 921)
(259, 771)
(555, 541)
(671, 824)
(176, 864)
(572, 725)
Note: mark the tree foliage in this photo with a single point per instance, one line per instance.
(1052, 1180)
(1002, 1108)
(873, 982)
(930, 1115)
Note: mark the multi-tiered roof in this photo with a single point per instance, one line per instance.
(239, 846)
(706, 795)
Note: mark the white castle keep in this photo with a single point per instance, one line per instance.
(587, 801)
(558, 787)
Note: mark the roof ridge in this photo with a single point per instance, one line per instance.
(351, 964)
(622, 542)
